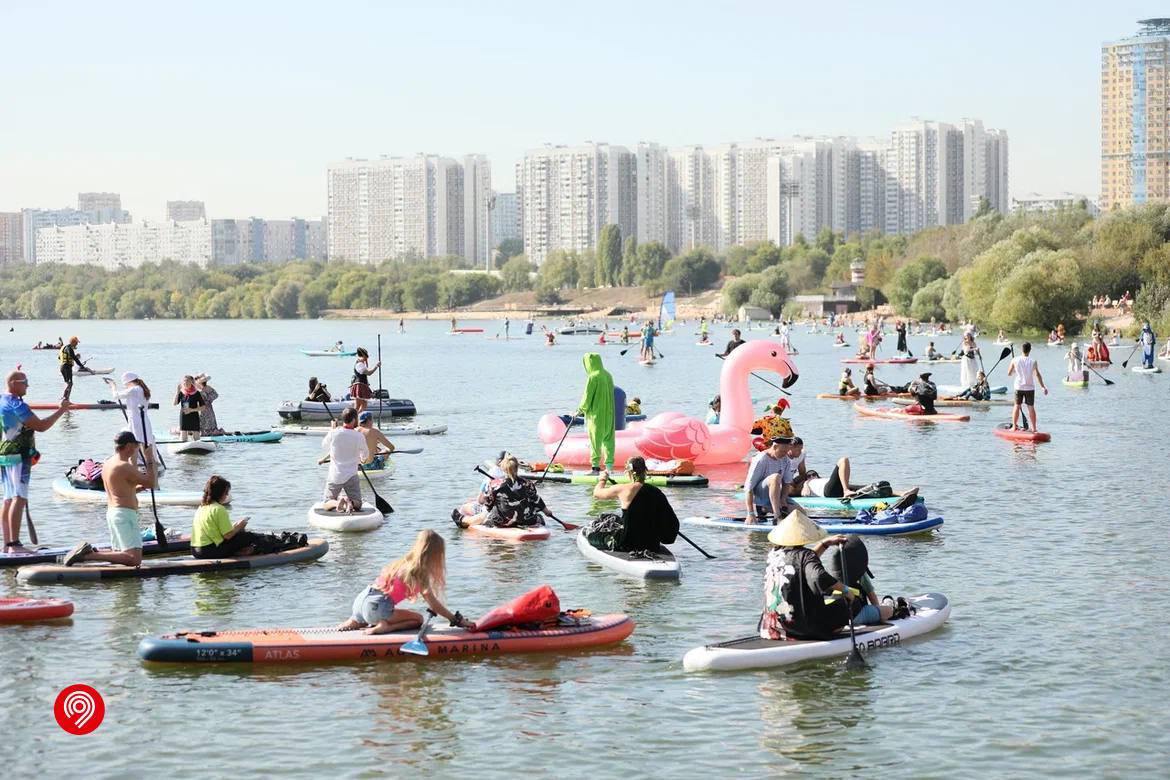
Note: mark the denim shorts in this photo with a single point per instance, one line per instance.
(371, 606)
(868, 616)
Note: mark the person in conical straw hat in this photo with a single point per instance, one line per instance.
(801, 599)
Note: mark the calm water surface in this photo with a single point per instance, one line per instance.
(1055, 660)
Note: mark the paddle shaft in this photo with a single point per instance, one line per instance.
(1103, 379)
(379, 380)
(765, 381)
(567, 526)
(1006, 351)
(686, 539)
(382, 504)
(32, 529)
(548, 465)
(160, 533)
(1131, 354)
(126, 417)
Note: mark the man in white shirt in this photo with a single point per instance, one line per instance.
(347, 448)
(1027, 373)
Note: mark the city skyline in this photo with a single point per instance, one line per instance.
(170, 132)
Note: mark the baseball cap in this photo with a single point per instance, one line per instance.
(364, 416)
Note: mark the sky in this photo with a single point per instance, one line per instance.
(244, 104)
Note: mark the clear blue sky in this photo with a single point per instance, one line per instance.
(244, 104)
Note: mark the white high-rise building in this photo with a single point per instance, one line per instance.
(395, 207)
(115, 245)
(186, 210)
(653, 160)
(926, 184)
(690, 183)
(102, 207)
(569, 193)
(799, 196)
(996, 174)
(871, 187)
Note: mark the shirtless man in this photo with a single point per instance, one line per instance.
(122, 480)
(376, 442)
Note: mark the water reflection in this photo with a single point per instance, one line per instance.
(806, 711)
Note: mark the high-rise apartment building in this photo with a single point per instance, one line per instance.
(34, 220)
(690, 183)
(186, 210)
(925, 187)
(569, 193)
(235, 241)
(115, 245)
(1135, 117)
(11, 238)
(800, 189)
(396, 207)
(102, 207)
(651, 193)
(505, 218)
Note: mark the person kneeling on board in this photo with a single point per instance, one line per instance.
(769, 481)
(347, 448)
(511, 502)
(122, 479)
(647, 515)
(421, 572)
(801, 599)
(925, 392)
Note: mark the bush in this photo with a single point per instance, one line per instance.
(911, 278)
(695, 271)
(928, 302)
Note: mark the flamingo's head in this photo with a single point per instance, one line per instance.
(763, 355)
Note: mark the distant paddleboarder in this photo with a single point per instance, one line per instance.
(1147, 339)
(1027, 373)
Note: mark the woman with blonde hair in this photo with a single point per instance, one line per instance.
(510, 502)
(421, 572)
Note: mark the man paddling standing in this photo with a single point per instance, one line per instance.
(122, 479)
(1027, 373)
(1147, 340)
(17, 451)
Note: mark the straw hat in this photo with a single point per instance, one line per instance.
(796, 530)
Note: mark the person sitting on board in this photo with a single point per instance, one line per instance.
(735, 343)
(863, 351)
(874, 386)
(801, 599)
(377, 445)
(634, 406)
(511, 502)
(122, 479)
(1052, 337)
(860, 579)
(768, 483)
(845, 386)
(339, 347)
(421, 572)
(647, 515)
(933, 354)
(346, 448)
(980, 391)
(713, 410)
(213, 534)
(925, 392)
(318, 392)
(1000, 337)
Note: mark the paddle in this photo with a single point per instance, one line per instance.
(1103, 379)
(417, 646)
(379, 380)
(567, 526)
(548, 465)
(762, 379)
(1003, 354)
(686, 539)
(32, 529)
(1131, 354)
(160, 533)
(382, 504)
(854, 661)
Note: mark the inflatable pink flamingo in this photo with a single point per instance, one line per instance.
(674, 435)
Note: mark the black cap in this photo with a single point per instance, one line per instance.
(924, 375)
(782, 440)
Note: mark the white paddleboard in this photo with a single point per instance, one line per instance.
(366, 519)
(663, 566)
(193, 447)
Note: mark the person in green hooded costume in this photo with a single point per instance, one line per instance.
(597, 406)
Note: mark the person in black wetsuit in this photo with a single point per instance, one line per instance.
(649, 519)
(68, 358)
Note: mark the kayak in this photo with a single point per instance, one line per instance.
(752, 652)
(66, 489)
(285, 645)
(457, 331)
(829, 526)
(860, 397)
(328, 353)
(530, 533)
(1005, 432)
(92, 372)
(662, 565)
(945, 391)
(181, 544)
(193, 447)
(884, 361)
(32, 610)
(389, 430)
(893, 413)
(91, 572)
(365, 519)
(238, 437)
(316, 410)
(74, 406)
(588, 478)
(1141, 370)
(958, 402)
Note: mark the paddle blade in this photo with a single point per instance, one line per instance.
(855, 660)
(382, 504)
(418, 647)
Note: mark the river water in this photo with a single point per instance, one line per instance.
(1054, 661)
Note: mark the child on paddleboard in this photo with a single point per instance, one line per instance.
(421, 572)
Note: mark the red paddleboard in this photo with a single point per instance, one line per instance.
(1023, 436)
(898, 413)
(20, 610)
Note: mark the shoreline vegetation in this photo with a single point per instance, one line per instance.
(1023, 273)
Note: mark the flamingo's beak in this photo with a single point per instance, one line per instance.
(790, 380)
